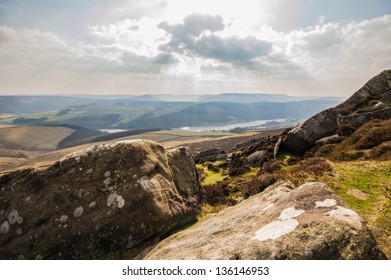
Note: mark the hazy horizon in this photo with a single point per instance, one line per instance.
(133, 47)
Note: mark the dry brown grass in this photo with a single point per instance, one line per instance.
(33, 137)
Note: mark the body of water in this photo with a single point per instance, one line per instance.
(229, 126)
(112, 130)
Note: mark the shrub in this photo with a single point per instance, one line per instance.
(257, 184)
(273, 166)
(383, 151)
(316, 166)
(218, 194)
(374, 137)
(325, 150)
(237, 171)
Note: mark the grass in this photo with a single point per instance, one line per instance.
(374, 179)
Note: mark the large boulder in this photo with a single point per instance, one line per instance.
(361, 107)
(309, 222)
(107, 201)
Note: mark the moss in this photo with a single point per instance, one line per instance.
(253, 171)
(208, 176)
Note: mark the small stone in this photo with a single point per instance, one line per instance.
(78, 212)
(65, 226)
(2, 212)
(89, 171)
(63, 218)
(13, 217)
(19, 232)
(38, 257)
(107, 174)
(27, 199)
(92, 204)
(21, 257)
(4, 228)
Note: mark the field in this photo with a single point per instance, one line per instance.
(37, 146)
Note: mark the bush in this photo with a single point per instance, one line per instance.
(325, 150)
(273, 166)
(374, 137)
(257, 184)
(383, 151)
(218, 194)
(237, 171)
(316, 166)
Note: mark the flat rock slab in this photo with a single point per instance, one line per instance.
(309, 222)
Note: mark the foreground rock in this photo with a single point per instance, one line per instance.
(309, 222)
(97, 203)
(368, 103)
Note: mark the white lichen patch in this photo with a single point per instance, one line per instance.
(107, 181)
(5, 227)
(78, 212)
(346, 215)
(120, 201)
(284, 225)
(63, 218)
(115, 200)
(326, 203)
(269, 206)
(92, 204)
(276, 229)
(111, 199)
(145, 183)
(290, 213)
(13, 217)
(19, 220)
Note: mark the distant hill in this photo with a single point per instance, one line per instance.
(259, 97)
(209, 113)
(155, 111)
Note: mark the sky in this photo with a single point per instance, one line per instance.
(113, 47)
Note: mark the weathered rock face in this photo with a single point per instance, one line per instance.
(309, 222)
(368, 103)
(251, 153)
(98, 202)
(212, 155)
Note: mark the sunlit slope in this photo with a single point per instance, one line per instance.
(33, 137)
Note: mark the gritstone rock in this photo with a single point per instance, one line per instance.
(309, 222)
(98, 203)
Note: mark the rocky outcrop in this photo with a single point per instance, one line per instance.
(101, 202)
(212, 155)
(309, 222)
(368, 103)
(252, 154)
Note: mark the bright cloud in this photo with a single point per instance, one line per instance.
(194, 47)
